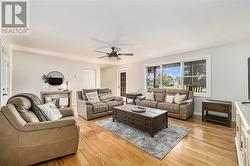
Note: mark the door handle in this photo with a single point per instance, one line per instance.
(241, 144)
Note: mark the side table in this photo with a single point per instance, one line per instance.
(132, 96)
(217, 106)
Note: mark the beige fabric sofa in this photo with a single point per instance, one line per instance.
(89, 110)
(184, 110)
(27, 143)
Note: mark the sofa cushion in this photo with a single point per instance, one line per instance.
(29, 117)
(103, 90)
(148, 103)
(112, 104)
(23, 106)
(170, 107)
(159, 94)
(104, 97)
(173, 92)
(100, 107)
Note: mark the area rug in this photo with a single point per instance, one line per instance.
(159, 146)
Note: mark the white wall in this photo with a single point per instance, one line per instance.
(5, 55)
(228, 75)
(28, 70)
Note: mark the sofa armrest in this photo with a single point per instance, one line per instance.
(84, 102)
(186, 102)
(48, 125)
(186, 110)
(118, 98)
(67, 111)
(139, 99)
(12, 115)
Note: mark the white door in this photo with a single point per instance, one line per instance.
(122, 82)
(5, 80)
(89, 79)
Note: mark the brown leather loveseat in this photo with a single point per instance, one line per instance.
(89, 110)
(25, 141)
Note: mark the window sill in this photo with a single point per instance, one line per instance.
(202, 94)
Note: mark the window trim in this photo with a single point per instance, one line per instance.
(206, 57)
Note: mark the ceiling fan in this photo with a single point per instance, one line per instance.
(114, 53)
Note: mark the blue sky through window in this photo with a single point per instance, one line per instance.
(173, 71)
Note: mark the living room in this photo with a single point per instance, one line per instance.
(125, 83)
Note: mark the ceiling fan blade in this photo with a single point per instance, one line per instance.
(117, 49)
(101, 52)
(126, 44)
(103, 56)
(126, 54)
(99, 40)
(119, 58)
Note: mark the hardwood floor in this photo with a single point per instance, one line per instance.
(206, 144)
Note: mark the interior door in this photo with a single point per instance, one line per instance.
(122, 83)
(5, 78)
(89, 79)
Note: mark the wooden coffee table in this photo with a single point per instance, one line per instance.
(151, 121)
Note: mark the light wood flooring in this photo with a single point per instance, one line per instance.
(207, 144)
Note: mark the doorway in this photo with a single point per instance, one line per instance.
(122, 82)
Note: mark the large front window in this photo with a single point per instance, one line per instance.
(171, 74)
(189, 75)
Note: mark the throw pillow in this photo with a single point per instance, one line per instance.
(169, 99)
(178, 98)
(50, 111)
(150, 96)
(92, 96)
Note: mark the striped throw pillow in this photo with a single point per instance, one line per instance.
(92, 97)
(106, 97)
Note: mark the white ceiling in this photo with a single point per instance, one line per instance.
(152, 28)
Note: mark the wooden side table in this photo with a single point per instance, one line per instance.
(217, 106)
(132, 96)
(57, 95)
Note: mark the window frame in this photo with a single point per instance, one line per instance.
(182, 61)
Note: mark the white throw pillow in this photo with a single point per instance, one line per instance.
(50, 111)
(92, 97)
(149, 96)
(178, 98)
(169, 99)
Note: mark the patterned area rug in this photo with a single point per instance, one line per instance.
(159, 146)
